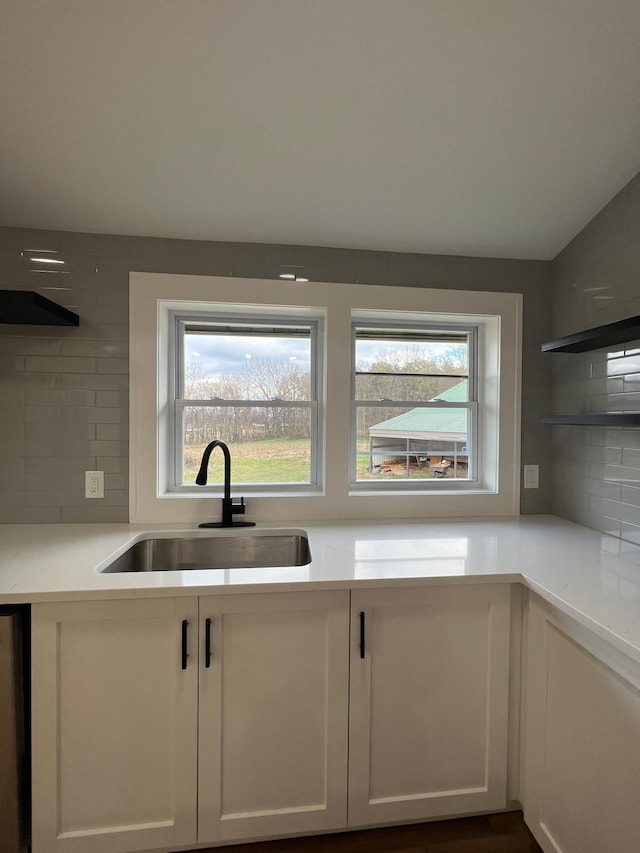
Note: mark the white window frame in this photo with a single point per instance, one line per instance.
(496, 492)
(420, 322)
(261, 316)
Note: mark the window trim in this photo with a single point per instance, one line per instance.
(500, 335)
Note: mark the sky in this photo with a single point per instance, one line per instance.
(228, 354)
(221, 354)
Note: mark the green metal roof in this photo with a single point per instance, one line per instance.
(417, 421)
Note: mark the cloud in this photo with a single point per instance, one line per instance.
(228, 354)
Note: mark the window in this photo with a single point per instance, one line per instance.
(252, 383)
(329, 402)
(414, 404)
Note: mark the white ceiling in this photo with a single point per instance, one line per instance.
(474, 127)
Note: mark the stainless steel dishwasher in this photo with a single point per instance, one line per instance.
(14, 799)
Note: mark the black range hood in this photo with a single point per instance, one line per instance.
(30, 308)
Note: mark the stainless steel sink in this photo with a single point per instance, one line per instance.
(235, 551)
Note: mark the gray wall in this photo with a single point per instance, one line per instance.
(64, 391)
(596, 471)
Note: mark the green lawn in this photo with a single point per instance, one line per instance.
(272, 461)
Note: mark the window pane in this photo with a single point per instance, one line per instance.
(412, 369)
(395, 443)
(267, 444)
(235, 365)
(418, 388)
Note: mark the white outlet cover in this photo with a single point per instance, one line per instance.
(531, 477)
(94, 484)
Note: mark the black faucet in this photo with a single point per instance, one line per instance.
(229, 509)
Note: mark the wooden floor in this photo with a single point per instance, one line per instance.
(504, 833)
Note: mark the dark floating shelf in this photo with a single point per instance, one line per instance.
(30, 308)
(604, 419)
(597, 338)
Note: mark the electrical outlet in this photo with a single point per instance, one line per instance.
(94, 484)
(531, 477)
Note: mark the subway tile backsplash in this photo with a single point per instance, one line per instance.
(64, 391)
(64, 387)
(596, 470)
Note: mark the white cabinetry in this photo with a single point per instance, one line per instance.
(273, 715)
(116, 720)
(136, 747)
(429, 702)
(582, 746)
(114, 723)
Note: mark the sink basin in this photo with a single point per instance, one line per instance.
(235, 551)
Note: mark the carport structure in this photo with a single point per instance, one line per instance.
(432, 437)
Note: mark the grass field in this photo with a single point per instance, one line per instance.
(271, 461)
(280, 461)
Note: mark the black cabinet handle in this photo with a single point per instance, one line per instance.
(207, 643)
(185, 654)
(362, 634)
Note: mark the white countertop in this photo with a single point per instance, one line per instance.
(574, 568)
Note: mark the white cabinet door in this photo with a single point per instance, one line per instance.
(582, 747)
(114, 725)
(429, 702)
(273, 714)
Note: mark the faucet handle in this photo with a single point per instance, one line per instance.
(238, 509)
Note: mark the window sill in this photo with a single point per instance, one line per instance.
(238, 491)
(418, 493)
